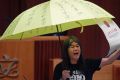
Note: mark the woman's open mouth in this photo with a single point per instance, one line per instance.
(76, 53)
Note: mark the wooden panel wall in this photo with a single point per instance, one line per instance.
(23, 51)
(108, 72)
(33, 56)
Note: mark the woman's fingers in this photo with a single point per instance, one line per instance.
(65, 74)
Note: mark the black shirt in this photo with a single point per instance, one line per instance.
(76, 73)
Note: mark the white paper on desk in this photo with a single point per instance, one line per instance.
(112, 33)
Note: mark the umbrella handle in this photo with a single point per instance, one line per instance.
(59, 37)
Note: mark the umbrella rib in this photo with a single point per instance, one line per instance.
(60, 28)
(82, 28)
(21, 35)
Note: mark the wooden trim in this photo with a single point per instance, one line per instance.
(40, 38)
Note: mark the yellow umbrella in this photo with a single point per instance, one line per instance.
(45, 17)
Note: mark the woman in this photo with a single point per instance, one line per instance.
(73, 67)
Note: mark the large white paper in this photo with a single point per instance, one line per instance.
(112, 33)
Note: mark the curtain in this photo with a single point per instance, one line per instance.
(9, 10)
(44, 51)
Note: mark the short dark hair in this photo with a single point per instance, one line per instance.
(71, 39)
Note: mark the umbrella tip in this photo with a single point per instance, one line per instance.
(82, 29)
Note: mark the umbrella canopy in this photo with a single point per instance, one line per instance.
(43, 18)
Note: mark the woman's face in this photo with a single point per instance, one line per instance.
(74, 51)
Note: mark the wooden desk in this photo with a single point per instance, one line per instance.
(116, 70)
(32, 56)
